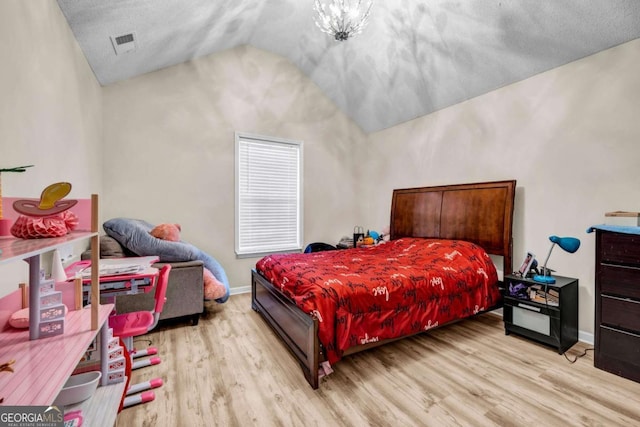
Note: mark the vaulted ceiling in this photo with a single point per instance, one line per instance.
(413, 58)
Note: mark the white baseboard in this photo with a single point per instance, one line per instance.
(240, 290)
(586, 337)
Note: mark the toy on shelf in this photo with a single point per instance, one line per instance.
(48, 309)
(50, 202)
(52, 311)
(47, 217)
(5, 224)
(8, 366)
(73, 419)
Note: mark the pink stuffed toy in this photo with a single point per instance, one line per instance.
(170, 232)
(213, 288)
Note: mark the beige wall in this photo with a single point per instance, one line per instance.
(570, 137)
(169, 147)
(50, 109)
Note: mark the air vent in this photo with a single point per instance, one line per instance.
(124, 43)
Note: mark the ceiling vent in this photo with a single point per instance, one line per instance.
(124, 43)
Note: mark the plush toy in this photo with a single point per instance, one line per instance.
(213, 288)
(170, 232)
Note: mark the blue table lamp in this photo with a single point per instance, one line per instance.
(569, 244)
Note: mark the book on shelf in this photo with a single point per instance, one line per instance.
(540, 296)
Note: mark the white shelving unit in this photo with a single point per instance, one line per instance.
(43, 365)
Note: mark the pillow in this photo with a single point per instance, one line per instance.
(134, 235)
(20, 319)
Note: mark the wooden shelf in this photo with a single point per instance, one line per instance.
(42, 366)
(100, 406)
(15, 249)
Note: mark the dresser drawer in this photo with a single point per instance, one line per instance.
(619, 353)
(620, 281)
(620, 248)
(620, 313)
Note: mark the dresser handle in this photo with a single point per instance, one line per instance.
(528, 307)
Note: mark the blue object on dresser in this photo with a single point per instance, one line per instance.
(626, 229)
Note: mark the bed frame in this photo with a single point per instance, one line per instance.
(481, 213)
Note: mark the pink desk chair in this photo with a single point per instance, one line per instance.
(129, 325)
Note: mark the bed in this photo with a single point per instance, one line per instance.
(468, 222)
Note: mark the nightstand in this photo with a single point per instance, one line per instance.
(545, 313)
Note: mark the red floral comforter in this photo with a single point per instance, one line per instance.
(387, 291)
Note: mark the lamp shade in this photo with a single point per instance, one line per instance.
(569, 244)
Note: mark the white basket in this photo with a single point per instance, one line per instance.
(78, 388)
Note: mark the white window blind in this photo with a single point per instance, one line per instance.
(268, 195)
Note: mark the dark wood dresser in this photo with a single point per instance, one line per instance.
(617, 328)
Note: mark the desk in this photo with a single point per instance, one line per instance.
(112, 284)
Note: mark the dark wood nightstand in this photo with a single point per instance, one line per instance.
(544, 313)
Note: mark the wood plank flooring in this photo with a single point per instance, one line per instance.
(231, 370)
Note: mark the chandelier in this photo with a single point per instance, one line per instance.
(343, 19)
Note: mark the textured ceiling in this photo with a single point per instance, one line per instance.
(413, 58)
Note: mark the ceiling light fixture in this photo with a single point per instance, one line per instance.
(342, 18)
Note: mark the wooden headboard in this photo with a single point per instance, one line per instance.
(480, 213)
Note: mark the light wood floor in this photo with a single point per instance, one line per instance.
(231, 370)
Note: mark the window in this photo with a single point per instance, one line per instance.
(268, 195)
